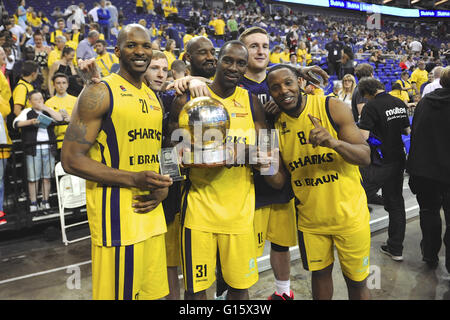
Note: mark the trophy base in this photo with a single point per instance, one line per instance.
(207, 158)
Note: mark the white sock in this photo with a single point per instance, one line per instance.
(283, 286)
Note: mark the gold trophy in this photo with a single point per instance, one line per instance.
(207, 121)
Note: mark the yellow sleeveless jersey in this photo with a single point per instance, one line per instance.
(129, 139)
(330, 197)
(222, 200)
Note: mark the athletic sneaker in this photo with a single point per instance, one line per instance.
(277, 296)
(2, 218)
(34, 207)
(45, 205)
(223, 296)
(385, 250)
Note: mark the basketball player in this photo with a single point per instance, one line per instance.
(218, 203)
(275, 209)
(200, 54)
(321, 149)
(113, 142)
(155, 77)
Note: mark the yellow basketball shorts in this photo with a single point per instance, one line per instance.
(276, 223)
(317, 252)
(173, 242)
(134, 272)
(237, 258)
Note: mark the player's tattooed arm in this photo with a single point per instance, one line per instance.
(86, 120)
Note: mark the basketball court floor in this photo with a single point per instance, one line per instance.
(38, 266)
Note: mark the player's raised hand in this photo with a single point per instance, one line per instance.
(319, 136)
(89, 71)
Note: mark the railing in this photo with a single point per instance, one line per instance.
(18, 172)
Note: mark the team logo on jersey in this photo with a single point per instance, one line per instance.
(284, 128)
(239, 115)
(156, 108)
(123, 88)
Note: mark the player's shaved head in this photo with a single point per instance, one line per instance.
(123, 33)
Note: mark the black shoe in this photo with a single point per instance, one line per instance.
(377, 199)
(384, 249)
(432, 264)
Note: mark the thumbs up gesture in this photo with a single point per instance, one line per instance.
(319, 136)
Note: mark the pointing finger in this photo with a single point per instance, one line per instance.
(315, 121)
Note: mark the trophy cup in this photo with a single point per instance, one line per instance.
(207, 121)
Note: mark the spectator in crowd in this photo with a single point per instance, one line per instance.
(30, 71)
(173, 33)
(430, 79)
(65, 65)
(139, 7)
(22, 14)
(402, 63)
(292, 39)
(385, 118)
(85, 49)
(293, 60)
(348, 62)
(285, 55)
(169, 52)
(337, 87)
(415, 47)
(419, 77)
(219, 27)
(103, 19)
(76, 16)
(55, 54)
(232, 27)
(40, 161)
(93, 13)
(429, 169)
(14, 75)
(63, 103)
(436, 84)
(275, 54)
(179, 69)
(106, 61)
(61, 24)
(41, 54)
(376, 58)
(114, 13)
(5, 110)
(348, 87)
(334, 49)
(396, 91)
(361, 71)
(406, 84)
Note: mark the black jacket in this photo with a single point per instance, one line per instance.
(29, 135)
(429, 154)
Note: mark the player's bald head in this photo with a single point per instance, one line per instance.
(129, 28)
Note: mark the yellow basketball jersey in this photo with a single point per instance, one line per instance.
(222, 200)
(129, 139)
(330, 197)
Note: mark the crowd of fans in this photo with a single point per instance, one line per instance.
(39, 54)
